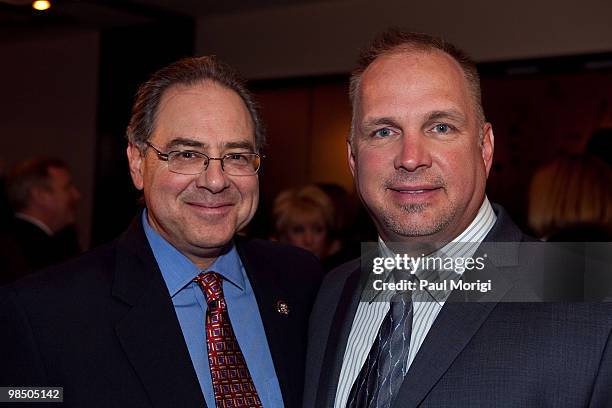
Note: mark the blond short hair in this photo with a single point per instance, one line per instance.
(292, 204)
(572, 190)
(394, 41)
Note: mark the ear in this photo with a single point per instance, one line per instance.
(351, 157)
(136, 163)
(487, 146)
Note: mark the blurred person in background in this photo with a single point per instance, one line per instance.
(44, 200)
(304, 217)
(343, 208)
(600, 144)
(5, 211)
(570, 199)
(352, 226)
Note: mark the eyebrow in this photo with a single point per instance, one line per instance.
(451, 114)
(388, 121)
(243, 144)
(181, 141)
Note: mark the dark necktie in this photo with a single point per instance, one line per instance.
(232, 382)
(383, 371)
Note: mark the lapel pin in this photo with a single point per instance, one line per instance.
(282, 308)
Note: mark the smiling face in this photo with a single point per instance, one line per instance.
(198, 214)
(417, 159)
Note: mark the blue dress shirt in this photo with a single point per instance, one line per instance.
(190, 307)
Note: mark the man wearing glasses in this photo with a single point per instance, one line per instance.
(179, 311)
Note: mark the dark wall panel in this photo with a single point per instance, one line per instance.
(127, 57)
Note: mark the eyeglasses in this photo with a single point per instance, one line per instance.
(191, 162)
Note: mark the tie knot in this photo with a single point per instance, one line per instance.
(212, 286)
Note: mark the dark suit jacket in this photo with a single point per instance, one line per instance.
(26, 248)
(103, 325)
(486, 354)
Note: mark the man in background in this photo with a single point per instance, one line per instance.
(44, 201)
(420, 152)
(179, 311)
(5, 210)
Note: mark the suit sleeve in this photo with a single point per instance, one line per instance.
(602, 390)
(19, 353)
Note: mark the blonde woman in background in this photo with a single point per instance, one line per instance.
(570, 199)
(304, 217)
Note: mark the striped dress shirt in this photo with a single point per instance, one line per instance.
(370, 314)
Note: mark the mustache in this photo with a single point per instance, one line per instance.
(206, 198)
(403, 178)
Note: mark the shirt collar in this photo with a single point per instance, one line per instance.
(35, 221)
(462, 246)
(475, 233)
(179, 271)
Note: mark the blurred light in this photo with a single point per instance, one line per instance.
(41, 5)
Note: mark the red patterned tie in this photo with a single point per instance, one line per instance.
(232, 382)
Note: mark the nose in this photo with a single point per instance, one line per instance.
(413, 153)
(213, 178)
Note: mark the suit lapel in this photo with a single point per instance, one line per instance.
(460, 318)
(263, 275)
(150, 333)
(338, 336)
(453, 329)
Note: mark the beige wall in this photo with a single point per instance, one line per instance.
(49, 85)
(330, 127)
(324, 37)
(307, 127)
